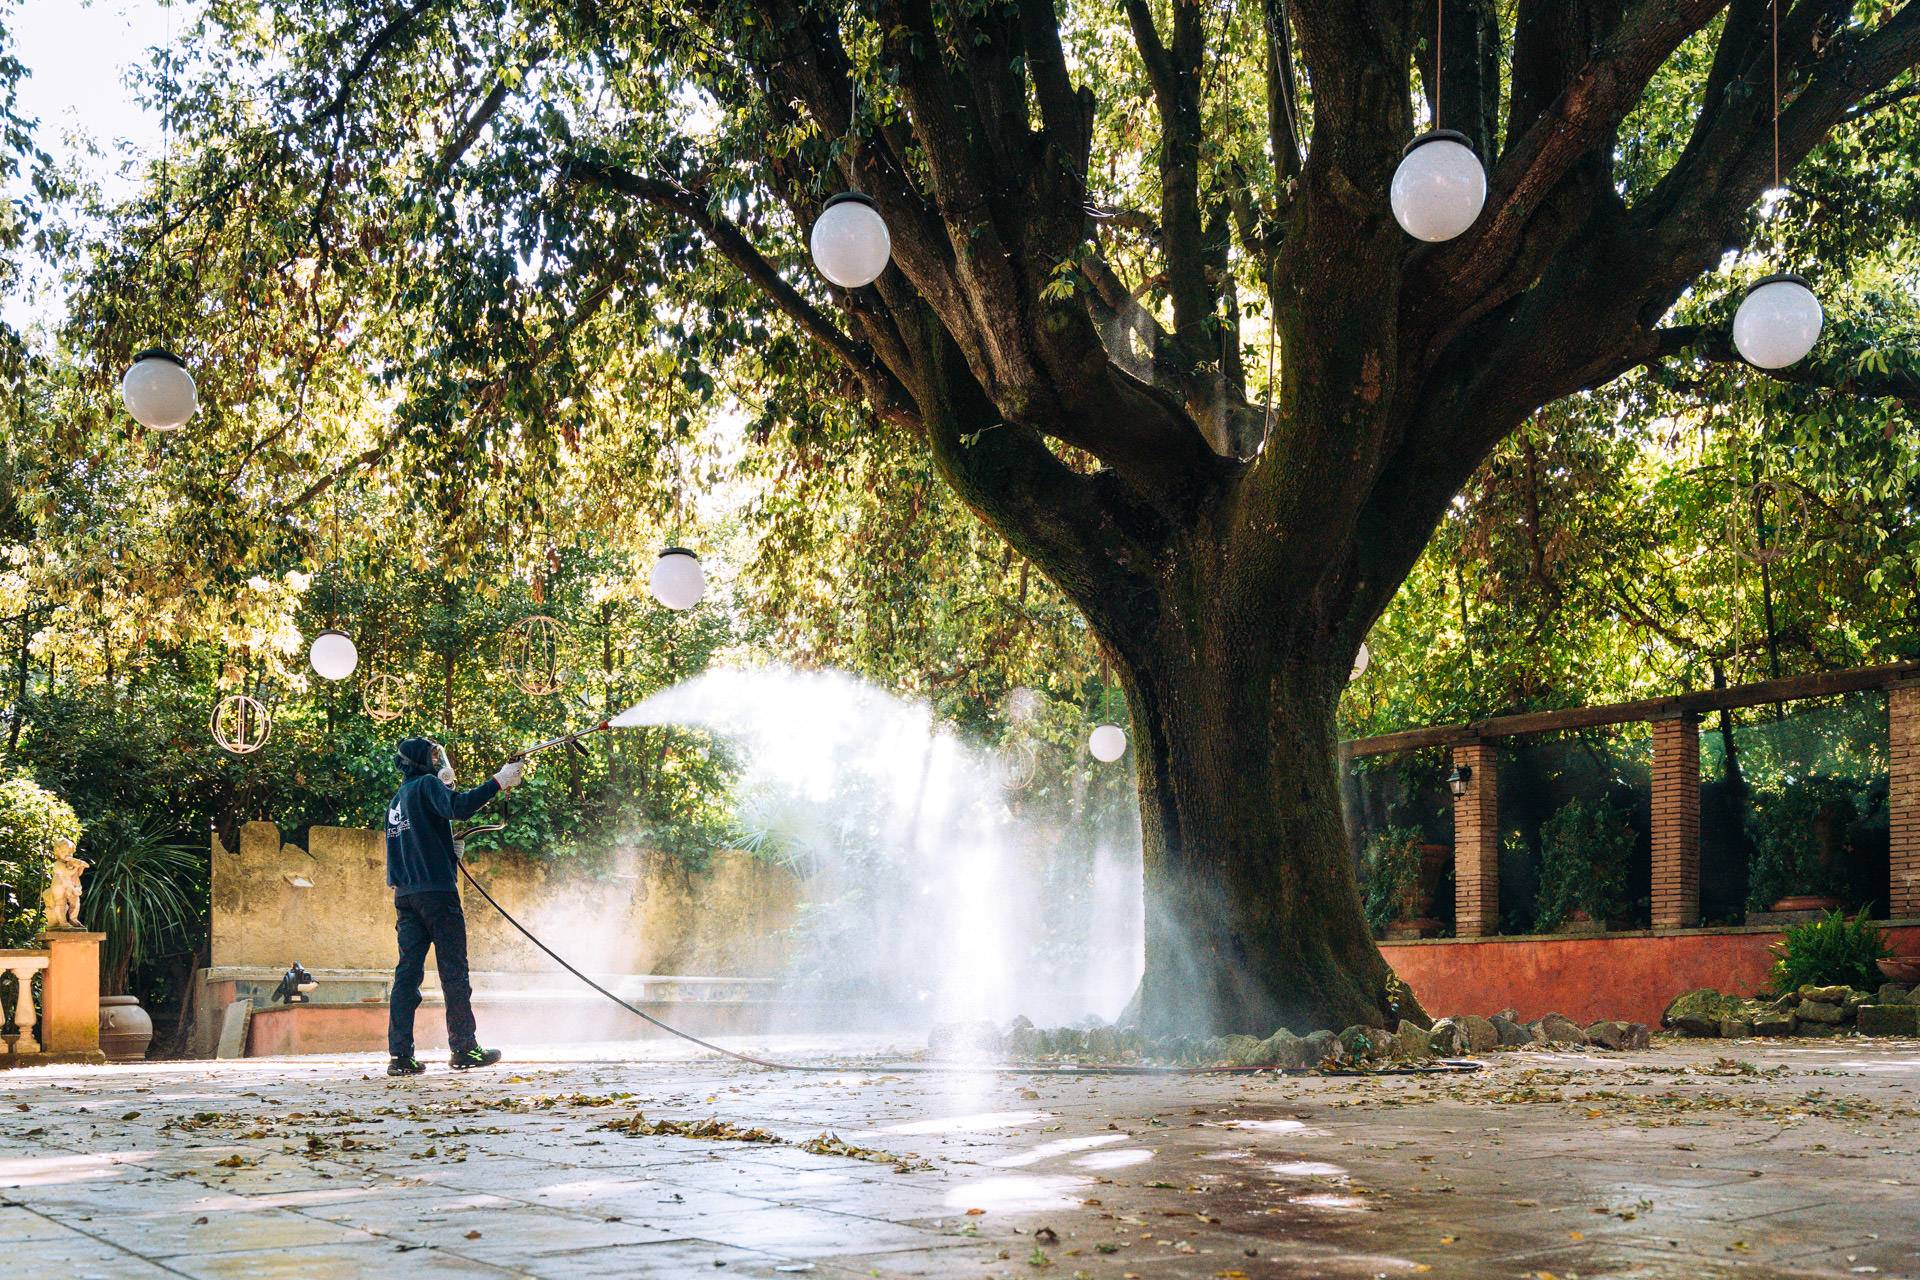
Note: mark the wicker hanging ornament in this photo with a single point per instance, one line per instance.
(1020, 765)
(1767, 519)
(533, 654)
(240, 724)
(384, 697)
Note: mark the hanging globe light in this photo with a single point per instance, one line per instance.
(1107, 743)
(333, 655)
(1360, 662)
(678, 581)
(1778, 321)
(158, 391)
(1440, 186)
(850, 242)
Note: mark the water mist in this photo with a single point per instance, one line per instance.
(933, 888)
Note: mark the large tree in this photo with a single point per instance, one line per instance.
(1088, 205)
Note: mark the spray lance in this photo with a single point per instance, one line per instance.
(626, 719)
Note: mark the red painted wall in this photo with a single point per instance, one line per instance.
(1628, 976)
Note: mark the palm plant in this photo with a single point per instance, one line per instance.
(142, 890)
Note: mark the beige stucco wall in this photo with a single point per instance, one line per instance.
(642, 914)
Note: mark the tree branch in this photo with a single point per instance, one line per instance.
(884, 390)
(1174, 72)
(1835, 372)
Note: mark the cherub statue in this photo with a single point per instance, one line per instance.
(62, 899)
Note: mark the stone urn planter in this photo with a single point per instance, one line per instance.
(1901, 969)
(1415, 918)
(1578, 921)
(1806, 902)
(125, 1029)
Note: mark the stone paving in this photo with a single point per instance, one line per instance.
(1698, 1158)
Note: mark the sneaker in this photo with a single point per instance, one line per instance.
(408, 1066)
(468, 1059)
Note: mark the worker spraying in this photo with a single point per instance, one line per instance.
(421, 860)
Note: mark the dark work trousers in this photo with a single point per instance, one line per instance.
(423, 920)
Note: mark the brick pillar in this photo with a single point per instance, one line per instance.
(1676, 822)
(1903, 800)
(1476, 844)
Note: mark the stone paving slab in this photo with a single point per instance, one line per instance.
(1693, 1159)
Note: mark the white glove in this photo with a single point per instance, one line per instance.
(509, 775)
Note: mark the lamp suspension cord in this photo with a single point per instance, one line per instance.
(1774, 7)
(1439, 49)
(679, 508)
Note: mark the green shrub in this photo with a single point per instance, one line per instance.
(1830, 952)
(1789, 829)
(1391, 862)
(144, 886)
(31, 818)
(1585, 851)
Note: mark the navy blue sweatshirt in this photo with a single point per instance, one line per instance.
(420, 832)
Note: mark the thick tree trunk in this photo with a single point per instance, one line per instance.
(1253, 917)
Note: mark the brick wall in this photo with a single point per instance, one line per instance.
(1676, 823)
(1903, 799)
(1476, 844)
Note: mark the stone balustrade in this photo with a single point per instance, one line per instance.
(23, 965)
(68, 1006)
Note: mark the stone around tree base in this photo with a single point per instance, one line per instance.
(1447, 1039)
(1557, 1029)
(1323, 1046)
(963, 1040)
(1888, 1020)
(1774, 1023)
(1820, 1011)
(1511, 1034)
(1480, 1033)
(1814, 1030)
(1619, 1036)
(1696, 1013)
(1363, 1044)
(1735, 1028)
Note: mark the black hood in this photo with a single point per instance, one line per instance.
(414, 757)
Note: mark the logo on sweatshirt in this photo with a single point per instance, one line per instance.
(397, 820)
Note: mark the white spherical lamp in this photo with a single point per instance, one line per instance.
(1440, 186)
(333, 655)
(1778, 321)
(1360, 662)
(678, 582)
(158, 391)
(850, 242)
(1107, 743)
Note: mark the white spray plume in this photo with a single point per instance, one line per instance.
(923, 888)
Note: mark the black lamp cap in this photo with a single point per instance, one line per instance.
(1436, 135)
(331, 631)
(158, 353)
(855, 197)
(678, 551)
(1780, 277)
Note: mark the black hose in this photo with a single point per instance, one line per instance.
(915, 1068)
